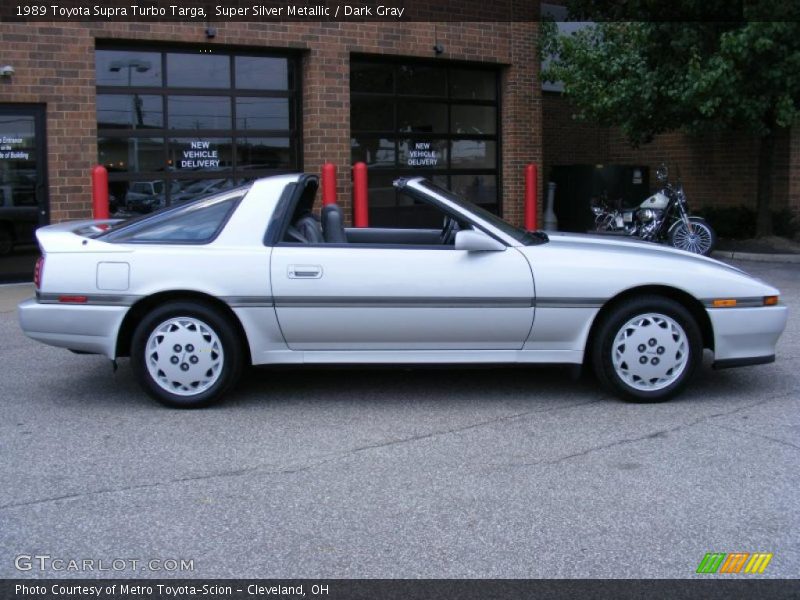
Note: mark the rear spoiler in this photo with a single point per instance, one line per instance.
(73, 236)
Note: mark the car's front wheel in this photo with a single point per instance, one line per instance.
(647, 349)
(186, 354)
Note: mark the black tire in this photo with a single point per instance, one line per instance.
(207, 322)
(704, 241)
(622, 380)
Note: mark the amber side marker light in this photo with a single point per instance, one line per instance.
(724, 303)
(770, 300)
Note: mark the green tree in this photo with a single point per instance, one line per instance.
(650, 77)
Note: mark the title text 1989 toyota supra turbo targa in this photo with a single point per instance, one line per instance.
(194, 293)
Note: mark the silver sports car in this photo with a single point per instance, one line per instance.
(252, 276)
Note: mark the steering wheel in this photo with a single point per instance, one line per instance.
(449, 229)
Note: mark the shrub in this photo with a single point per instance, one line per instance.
(739, 222)
(736, 222)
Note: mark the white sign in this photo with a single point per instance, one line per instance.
(423, 155)
(200, 155)
(7, 143)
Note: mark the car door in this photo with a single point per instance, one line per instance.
(367, 297)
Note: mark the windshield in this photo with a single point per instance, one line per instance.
(523, 236)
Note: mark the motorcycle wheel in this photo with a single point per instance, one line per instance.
(700, 241)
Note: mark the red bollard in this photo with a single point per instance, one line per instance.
(531, 196)
(328, 184)
(100, 192)
(360, 206)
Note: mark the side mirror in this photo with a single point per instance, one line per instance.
(472, 240)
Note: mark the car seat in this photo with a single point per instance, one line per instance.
(333, 224)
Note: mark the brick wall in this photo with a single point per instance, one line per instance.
(717, 169)
(55, 65)
(521, 117)
(566, 141)
(793, 172)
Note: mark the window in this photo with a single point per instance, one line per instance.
(198, 70)
(432, 119)
(176, 123)
(306, 228)
(198, 222)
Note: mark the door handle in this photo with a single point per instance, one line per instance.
(305, 271)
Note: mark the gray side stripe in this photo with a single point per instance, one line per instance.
(569, 302)
(443, 302)
(91, 299)
(400, 302)
(361, 301)
(248, 301)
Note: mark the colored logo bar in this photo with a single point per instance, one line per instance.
(735, 562)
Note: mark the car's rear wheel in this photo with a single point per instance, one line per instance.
(647, 349)
(186, 354)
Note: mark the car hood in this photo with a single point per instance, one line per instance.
(625, 244)
(602, 266)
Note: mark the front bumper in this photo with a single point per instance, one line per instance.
(746, 336)
(87, 328)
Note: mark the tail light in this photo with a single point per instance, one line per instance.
(37, 272)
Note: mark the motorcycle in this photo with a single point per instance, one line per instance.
(663, 217)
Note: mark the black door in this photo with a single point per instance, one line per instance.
(23, 188)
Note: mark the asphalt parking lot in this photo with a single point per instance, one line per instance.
(399, 473)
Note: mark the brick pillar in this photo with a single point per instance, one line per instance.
(59, 75)
(326, 114)
(522, 116)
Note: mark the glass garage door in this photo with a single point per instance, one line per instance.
(174, 124)
(438, 120)
(23, 191)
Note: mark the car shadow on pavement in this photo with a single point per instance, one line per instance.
(388, 385)
(99, 385)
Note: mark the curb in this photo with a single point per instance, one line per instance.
(755, 256)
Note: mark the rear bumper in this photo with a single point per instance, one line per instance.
(746, 336)
(87, 328)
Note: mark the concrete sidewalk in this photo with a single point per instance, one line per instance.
(755, 256)
(12, 294)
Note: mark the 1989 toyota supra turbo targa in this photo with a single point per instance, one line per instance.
(194, 293)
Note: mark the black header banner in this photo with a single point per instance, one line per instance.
(390, 10)
(405, 589)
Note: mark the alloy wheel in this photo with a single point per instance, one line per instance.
(184, 356)
(650, 352)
